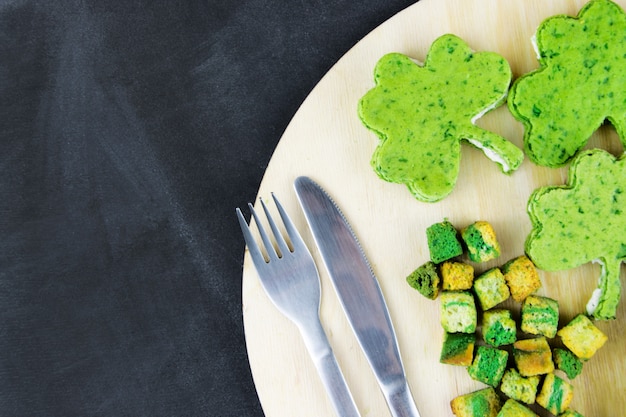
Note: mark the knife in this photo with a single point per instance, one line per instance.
(359, 294)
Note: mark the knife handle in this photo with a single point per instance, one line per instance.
(401, 402)
(322, 354)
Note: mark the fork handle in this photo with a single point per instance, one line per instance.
(322, 354)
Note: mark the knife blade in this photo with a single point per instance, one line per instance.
(359, 293)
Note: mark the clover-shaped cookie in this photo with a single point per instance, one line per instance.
(584, 221)
(580, 84)
(421, 113)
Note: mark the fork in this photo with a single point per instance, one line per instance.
(291, 280)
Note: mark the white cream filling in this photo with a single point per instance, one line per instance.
(594, 301)
(489, 108)
(491, 154)
(533, 41)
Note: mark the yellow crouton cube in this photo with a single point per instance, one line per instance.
(533, 356)
(582, 337)
(522, 277)
(456, 276)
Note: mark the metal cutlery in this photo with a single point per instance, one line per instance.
(359, 293)
(291, 280)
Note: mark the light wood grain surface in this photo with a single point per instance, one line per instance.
(327, 142)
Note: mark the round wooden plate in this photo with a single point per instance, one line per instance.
(327, 142)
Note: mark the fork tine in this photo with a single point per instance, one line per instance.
(294, 235)
(269, 247)
(253, 247)
(280, 240)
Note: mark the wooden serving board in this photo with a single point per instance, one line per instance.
(327, 142)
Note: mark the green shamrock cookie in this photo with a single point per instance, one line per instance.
(581, 82)
(421, 113)
(584, 221)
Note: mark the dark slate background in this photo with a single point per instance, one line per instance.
(129, 132)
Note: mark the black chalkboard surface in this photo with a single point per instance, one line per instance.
(129, 132)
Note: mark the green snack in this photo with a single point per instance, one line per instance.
(579, 84)
(425, 279)
(556, 394)
(456, 276)
(458, 349)
(443, 242)
(489, 365)
(584, 221)
(491, 289)
(499, 328)
(533, 356)
(582, 337)
(522, 277)
(512, 408)
(567, 362)
(480, 239)
(458, 312)
(421, 114)
(482, 403)
(540, 316)
(519, 388)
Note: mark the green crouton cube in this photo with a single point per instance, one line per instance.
(443, 242)
(425, 279)
(491, 289)
(518, 387)
(512, 408)
(499, 328)
(540, 316)
(458, 312)
(567, 362)
(481, 242)
(458, 349)
(488, 365)
(556, 394)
